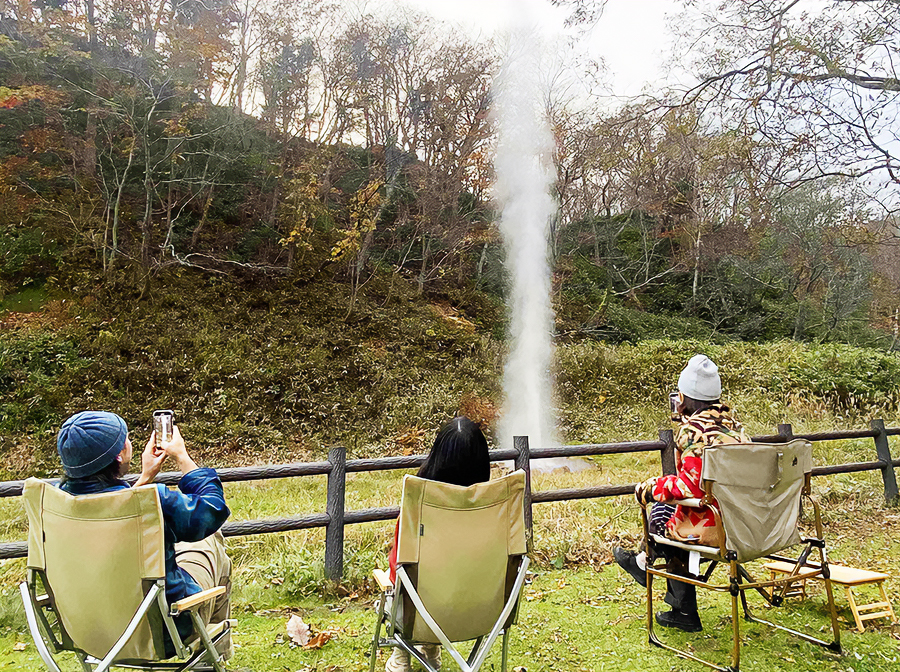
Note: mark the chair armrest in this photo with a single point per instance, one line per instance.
(693, 502)
(383, 579)
(195, 600)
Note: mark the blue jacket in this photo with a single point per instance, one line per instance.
(194, 511)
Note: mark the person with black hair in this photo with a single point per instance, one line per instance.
(702, 421)
(95, 451)
(459, 456)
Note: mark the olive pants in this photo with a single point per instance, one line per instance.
(209, 565)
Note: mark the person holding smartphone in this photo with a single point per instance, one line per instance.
(702, 421)
(95, 450)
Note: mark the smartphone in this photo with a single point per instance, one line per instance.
(673, 402)
(163, 421)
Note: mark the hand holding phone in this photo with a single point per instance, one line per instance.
(151, 461)
(163, 422)
(177, 451)
(673, 402)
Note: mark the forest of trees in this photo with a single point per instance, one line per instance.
(296, 138)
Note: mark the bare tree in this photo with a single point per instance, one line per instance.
(817, 79)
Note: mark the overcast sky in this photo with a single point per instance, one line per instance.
(631, 36)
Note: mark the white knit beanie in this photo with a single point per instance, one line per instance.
(700, 379)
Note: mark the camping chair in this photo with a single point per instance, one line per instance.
(759, 489)
(460, 569)
(100, 562)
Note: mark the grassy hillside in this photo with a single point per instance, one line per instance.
(268, 372)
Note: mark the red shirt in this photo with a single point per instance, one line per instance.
(392, 557)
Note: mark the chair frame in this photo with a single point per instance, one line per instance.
(50, 637)
(482, 646)
(740, 581)
(47, 642)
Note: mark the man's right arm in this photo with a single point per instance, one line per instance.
(197, 509)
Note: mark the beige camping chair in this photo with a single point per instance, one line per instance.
(758, 488)
(460, 569)
(100, 562)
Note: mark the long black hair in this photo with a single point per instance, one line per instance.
(459, 455)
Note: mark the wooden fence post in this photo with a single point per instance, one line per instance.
(883, 449)
(523, 462)
(786, 431)
(334, 507)
(667, 454)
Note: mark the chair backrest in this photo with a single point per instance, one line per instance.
(758, 488)
(460, 546)
(99, 554)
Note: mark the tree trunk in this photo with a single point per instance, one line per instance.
(89, 154)
(92, 25)
(168, 241)
(204, 216)
(115, 224)
(799, 321)
(895, 329)
(480, 268)
(426, 250)
(696, 283)
(148, 209)
(240, 75)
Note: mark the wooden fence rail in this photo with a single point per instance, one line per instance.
(336, 517)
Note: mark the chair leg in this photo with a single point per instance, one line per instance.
(735, 621)
(374, 655)
(85, 665)
(36, 634)
(748, 615)
(208, 645)
(854, 608)
(886, 600)
(504, 650)
(650, 633)
(473, 654)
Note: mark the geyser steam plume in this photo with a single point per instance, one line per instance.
(524, 177)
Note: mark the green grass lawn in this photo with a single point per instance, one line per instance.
(580, 612)
(571, 619)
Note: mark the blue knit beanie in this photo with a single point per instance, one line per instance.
(89, 441)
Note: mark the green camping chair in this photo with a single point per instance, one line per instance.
(99, 560)
(461, 567)
(758, 488)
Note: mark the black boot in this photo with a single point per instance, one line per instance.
(627, 560)
(689, 622)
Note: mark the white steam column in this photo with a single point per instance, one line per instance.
(524, 179)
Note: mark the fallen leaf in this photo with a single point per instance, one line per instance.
(318, 641)
(277, 580)
(297, 630)
(19, 646)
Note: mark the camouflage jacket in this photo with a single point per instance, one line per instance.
(710, 427)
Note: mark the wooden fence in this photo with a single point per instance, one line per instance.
(336, 517)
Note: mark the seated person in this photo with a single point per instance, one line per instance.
(96, 451)
(459, 456)
(702, 421)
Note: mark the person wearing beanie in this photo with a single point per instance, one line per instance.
(95, 451)
(702, 420)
